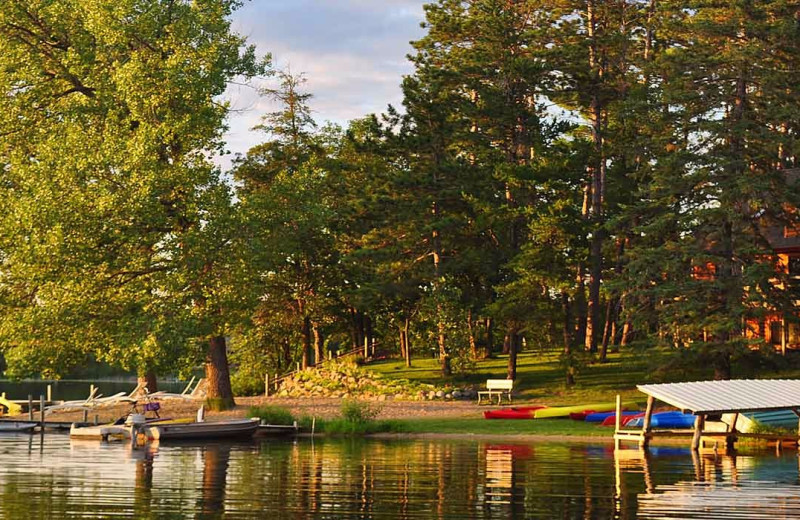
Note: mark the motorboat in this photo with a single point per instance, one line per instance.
(233, 428)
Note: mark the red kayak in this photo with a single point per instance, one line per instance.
(520, 412)
(612, 420)
(580, 416)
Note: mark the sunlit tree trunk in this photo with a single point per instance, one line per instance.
(218, 378)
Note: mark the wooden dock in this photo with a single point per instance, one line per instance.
(48, 425)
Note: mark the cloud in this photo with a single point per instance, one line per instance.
(353, 53)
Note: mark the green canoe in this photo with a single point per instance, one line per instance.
(564, 411)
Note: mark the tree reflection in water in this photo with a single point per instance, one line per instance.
(357, 478)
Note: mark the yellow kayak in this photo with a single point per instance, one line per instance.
(564, 411)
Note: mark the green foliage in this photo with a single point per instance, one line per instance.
(358, 411)
(567, 173)
(247, 384)
(113, 215)
(272, 415)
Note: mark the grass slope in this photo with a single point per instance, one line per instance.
(540, 377)
(480, 426)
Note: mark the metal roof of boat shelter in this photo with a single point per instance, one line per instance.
(737, 395)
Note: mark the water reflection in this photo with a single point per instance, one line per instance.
(56, 477)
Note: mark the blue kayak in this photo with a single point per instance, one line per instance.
(675, 420)
(602, 416)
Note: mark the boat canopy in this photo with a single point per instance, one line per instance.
(737, 395)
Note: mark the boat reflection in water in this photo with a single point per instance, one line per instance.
(356, 478)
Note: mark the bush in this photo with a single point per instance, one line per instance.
(358, 412)
(271, 414)
(244, 384)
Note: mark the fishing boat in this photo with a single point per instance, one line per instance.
(17, 427)
(101, 431)
(235, 428)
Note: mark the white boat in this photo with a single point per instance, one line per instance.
(101, 431)
(235, 428)
(17, 427)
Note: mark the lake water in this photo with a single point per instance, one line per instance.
(56, 477)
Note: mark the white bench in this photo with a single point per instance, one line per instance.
(498, 387)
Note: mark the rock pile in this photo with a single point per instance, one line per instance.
(347, 380)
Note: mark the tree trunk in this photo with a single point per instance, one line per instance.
(607, 328)
(513, 348)
(627, 329)
(407, 342)
(287, 353)
(306, 360)
(570, 371)
(319, 355)
(353, 336)
(598, 174)
(473, 346)
(148, 380)
(444, 356)
(506, 343)
(489, 337)
(368, 339)
(218, 377)
(402, 342)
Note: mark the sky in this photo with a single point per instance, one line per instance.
(353, 53)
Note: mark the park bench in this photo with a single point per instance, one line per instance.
(498, 387)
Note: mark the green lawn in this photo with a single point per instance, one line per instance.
(540, 378)
(480, 426)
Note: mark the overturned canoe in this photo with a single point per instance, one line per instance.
(676, 420)
(202, 430)
(612, 419)
(565, 411)
(599, 417)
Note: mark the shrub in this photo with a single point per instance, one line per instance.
(271, 414)
(358, 412)
(244, 383)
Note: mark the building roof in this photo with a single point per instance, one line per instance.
(738, 395)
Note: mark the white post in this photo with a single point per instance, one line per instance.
(266, 384)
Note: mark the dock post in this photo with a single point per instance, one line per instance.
(266, 384)
(617, 422)
(86, 416)
(648, 415)
(30, 407)
(41, 411)
(49, 393)
(699, 424)
(730, 440)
